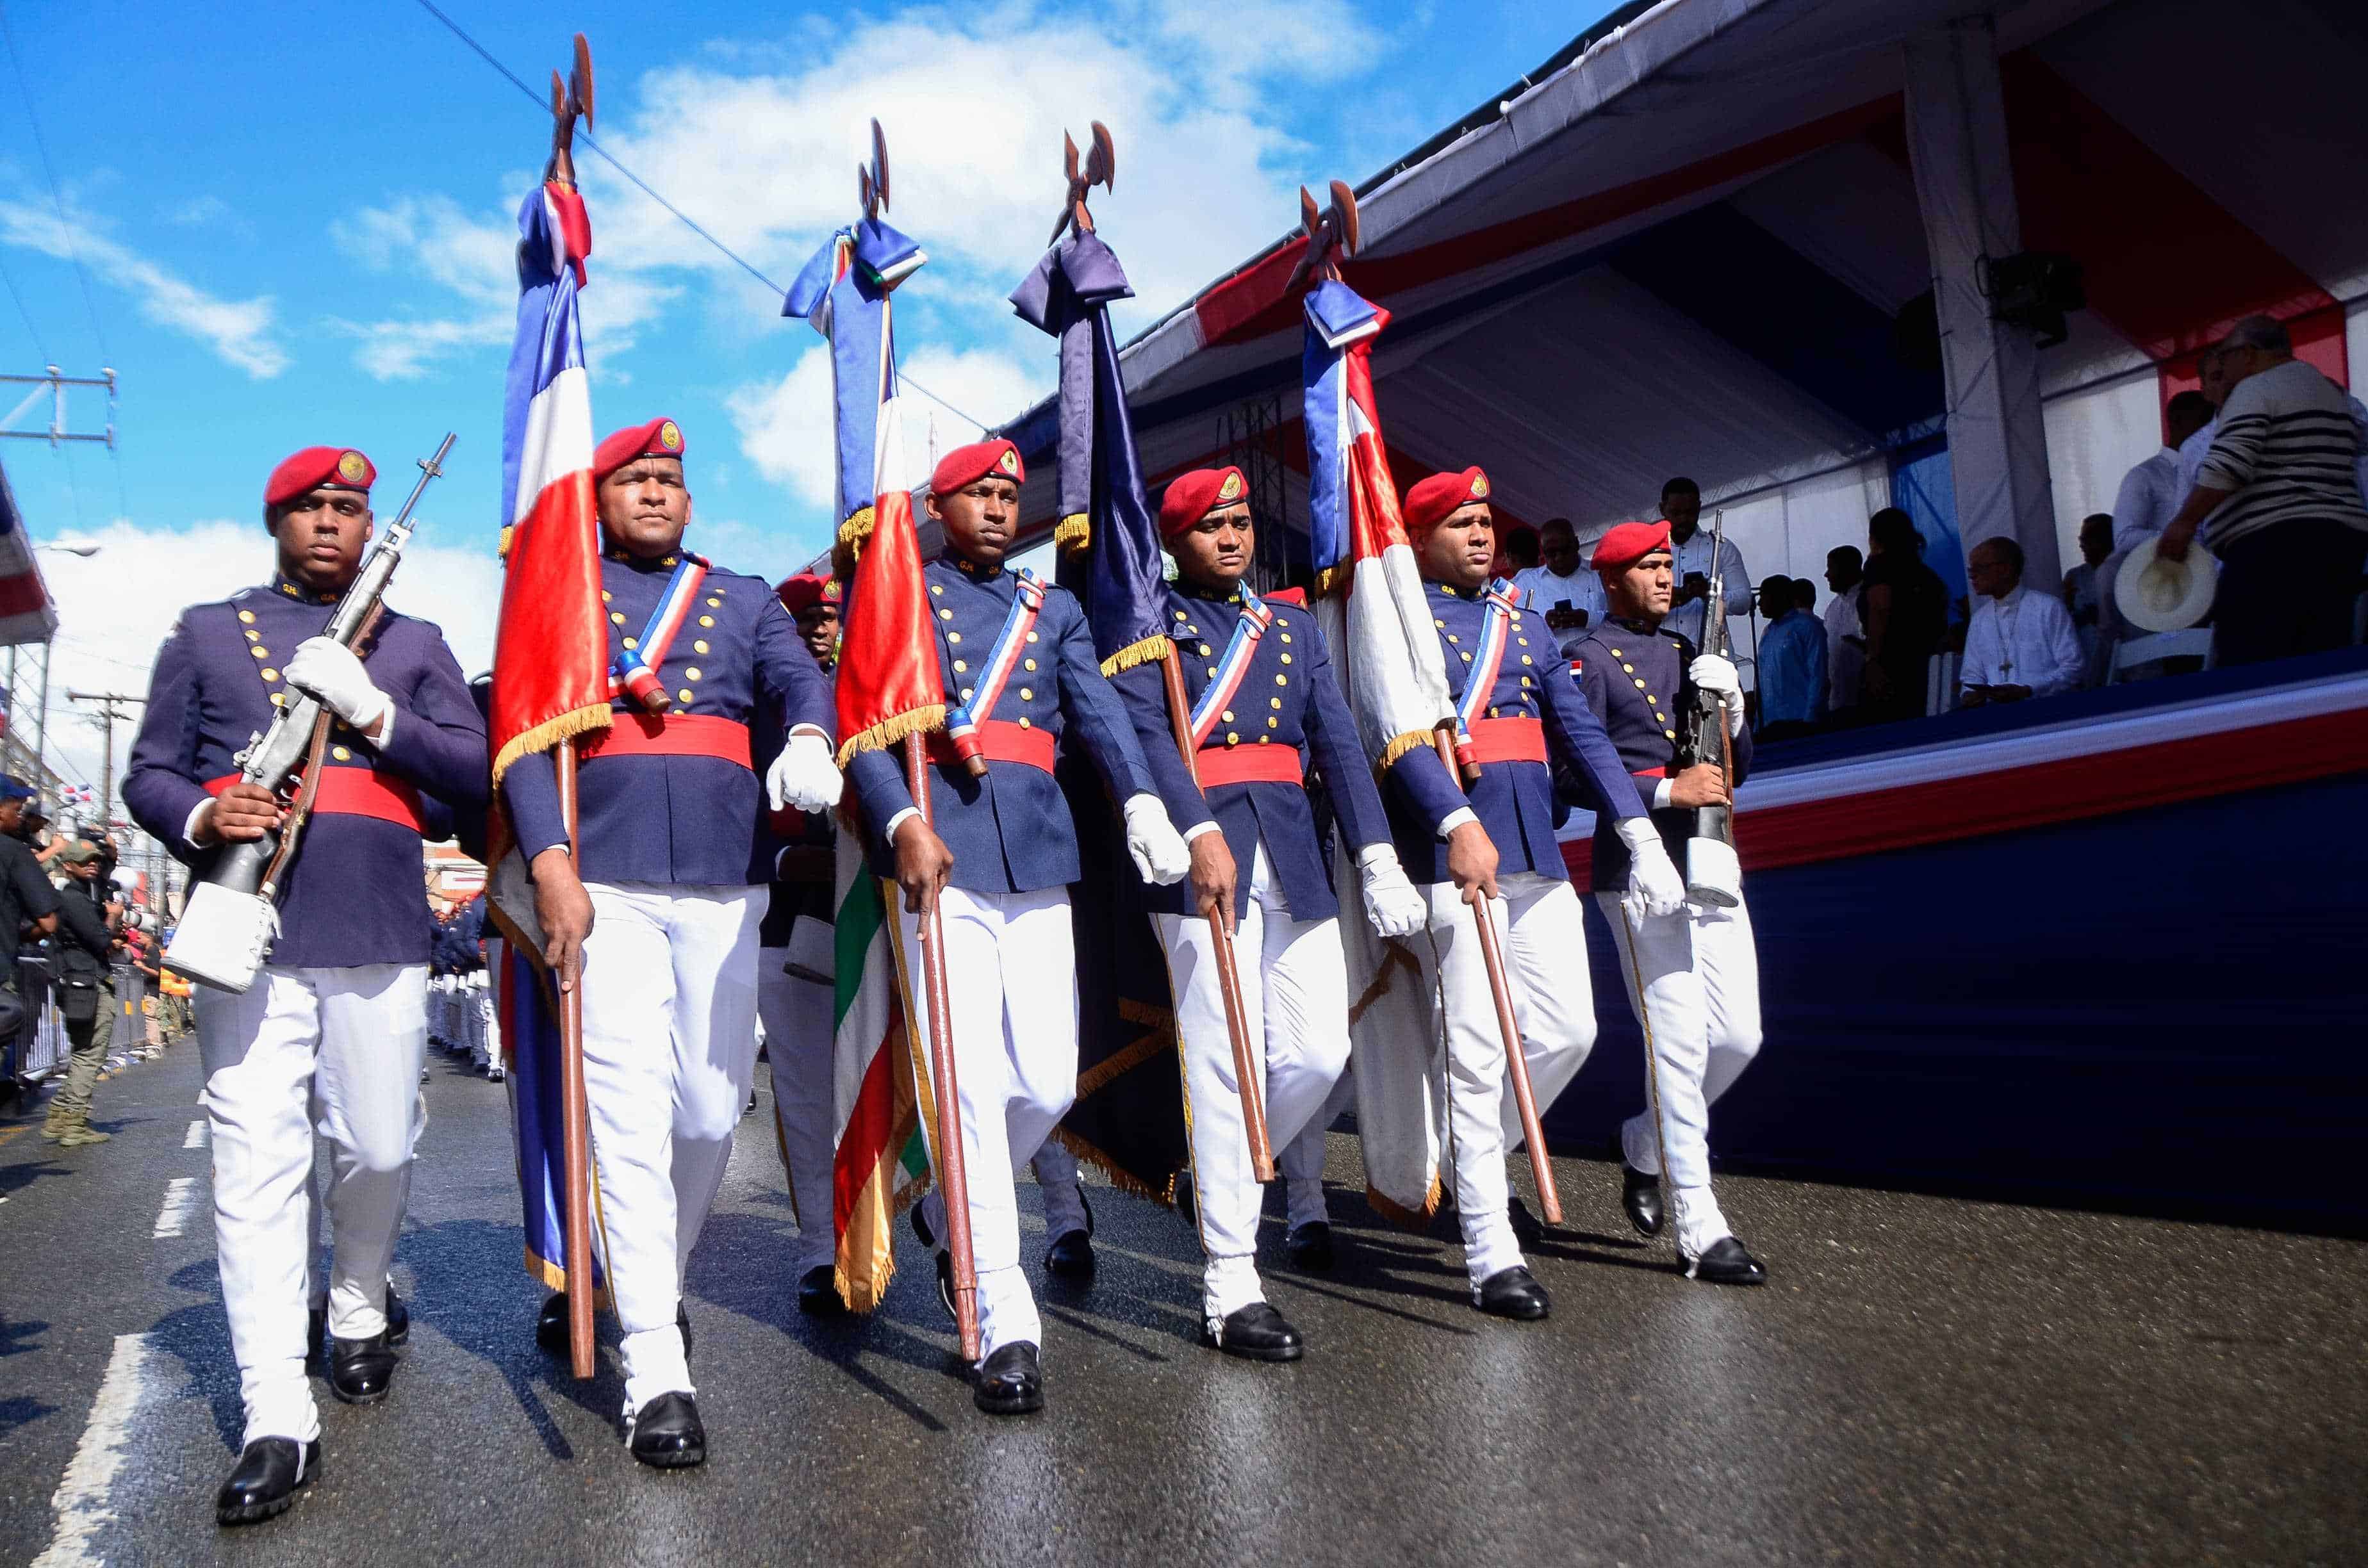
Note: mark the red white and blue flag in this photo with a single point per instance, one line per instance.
(27, 615)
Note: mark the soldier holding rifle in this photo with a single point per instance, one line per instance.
(338, 1017)
(1487, 841)
(994, 857)
(1692, 972)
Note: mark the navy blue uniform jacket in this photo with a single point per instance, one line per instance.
(1634, 678)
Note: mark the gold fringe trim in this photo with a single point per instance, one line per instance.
(1328, 581)
(502, 553)
(1074, 531)
(876, 1290)
(1413, 740)
(1124, 1180)
(1398, 1214)
(1150, 650)
(855, 529)
(1146, 1048)
(887, 734)
(552, 1276)
(552, 732)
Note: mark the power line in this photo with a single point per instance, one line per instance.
(57, 193)
(585, 138)
(34, 331)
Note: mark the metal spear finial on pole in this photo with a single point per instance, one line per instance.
(569, 98)
(1331, 235)
(1100, 168)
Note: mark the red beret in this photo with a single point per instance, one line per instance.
(1192, 496)
(963, 464)
(1430, 501)
(658, 438)
(803, 592)
(1629, 543)
(336, 467)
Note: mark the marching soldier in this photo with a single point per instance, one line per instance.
(664, 904)
(1692, 972)
(1265, 705)
(335, 1030)
(1494, 838)
(1018, 665)
(795, 970)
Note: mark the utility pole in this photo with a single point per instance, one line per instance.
(112, 707)
(56, 382)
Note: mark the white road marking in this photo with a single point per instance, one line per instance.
(81, 1501)
(196, 1136)
(180, 1197)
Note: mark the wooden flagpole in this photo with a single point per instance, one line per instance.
(953, 1178)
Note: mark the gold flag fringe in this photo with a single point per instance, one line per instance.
(1121, 1178)
(1413, 740)
(1150, 650)
(886, 733)
(552, 732)
(502, 553)
(867, 1295)
(1398, 1214)
(857, 529)
(1074, 531)
(1328, 580)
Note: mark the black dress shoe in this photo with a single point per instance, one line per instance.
(1526, 1229)
(922, 1232)
(1512, 1293)
(361, 1371)
(818, 1294)
(1641, 1196)
(1309, 1246)
(682, 1322)
(946, 1286)
(1071, 1256)
(1255, 1332)
(667, 1433)
(1726, 1263)
(1010, 1382)
(550, 1323)
(266, 1479)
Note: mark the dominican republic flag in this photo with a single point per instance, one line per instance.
(888, 687)
(25, 613)
(550, 662)
(843, 293)
(1385, 651)
(1128, 1119)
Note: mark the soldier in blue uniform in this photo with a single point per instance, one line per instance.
(1266, 706)
(795, 968)
(1697, 966)
(335, 1030)
(664, 904)
(1495, 836)
(997, 857)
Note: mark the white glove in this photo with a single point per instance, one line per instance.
(1654, 889)
(803, 776)
(329, 674)
(1391, 902)
(1160, 854)
(1716, 676)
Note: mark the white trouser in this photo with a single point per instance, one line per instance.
(1301, 1161)
(1701, 1009)
(1541, 933)
(1011, 983)
(1295, 988)
(798, 1016)
(1065, 1200)
(332, 1051)
(479, 1025)
(440, 1009)
(669, 1049)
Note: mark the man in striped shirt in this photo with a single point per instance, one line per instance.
(2292, 532)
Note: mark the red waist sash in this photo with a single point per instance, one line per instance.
(672, 734)
(999, 740)
(1248, 765)
(1507, 739)
(357, 793)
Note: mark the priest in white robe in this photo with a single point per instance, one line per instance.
(2019, 643)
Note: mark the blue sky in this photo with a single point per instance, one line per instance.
(296, 229)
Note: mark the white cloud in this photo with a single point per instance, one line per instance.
(240, 331)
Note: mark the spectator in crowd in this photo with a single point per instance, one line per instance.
(28, 905)
(1562, 589)
(2018, 644)
(2086, 591)
(2214, 373)
(1845, 633)
(1904, 609)
(1792, 662)
(2277, 499)
(1517, 553)
(2150, 491)
(1690, 546)
(79, 956)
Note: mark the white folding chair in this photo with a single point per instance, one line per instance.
(2192, 643)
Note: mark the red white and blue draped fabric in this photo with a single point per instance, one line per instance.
(550, 650)
(25, 613)
(1487, 659)
(634, 671)
(842, 292)
(1218, 694)
(961, 723)
(1385, 652)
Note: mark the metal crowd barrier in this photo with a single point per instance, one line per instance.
(39, 1047)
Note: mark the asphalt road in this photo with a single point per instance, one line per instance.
(1926, 1381)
